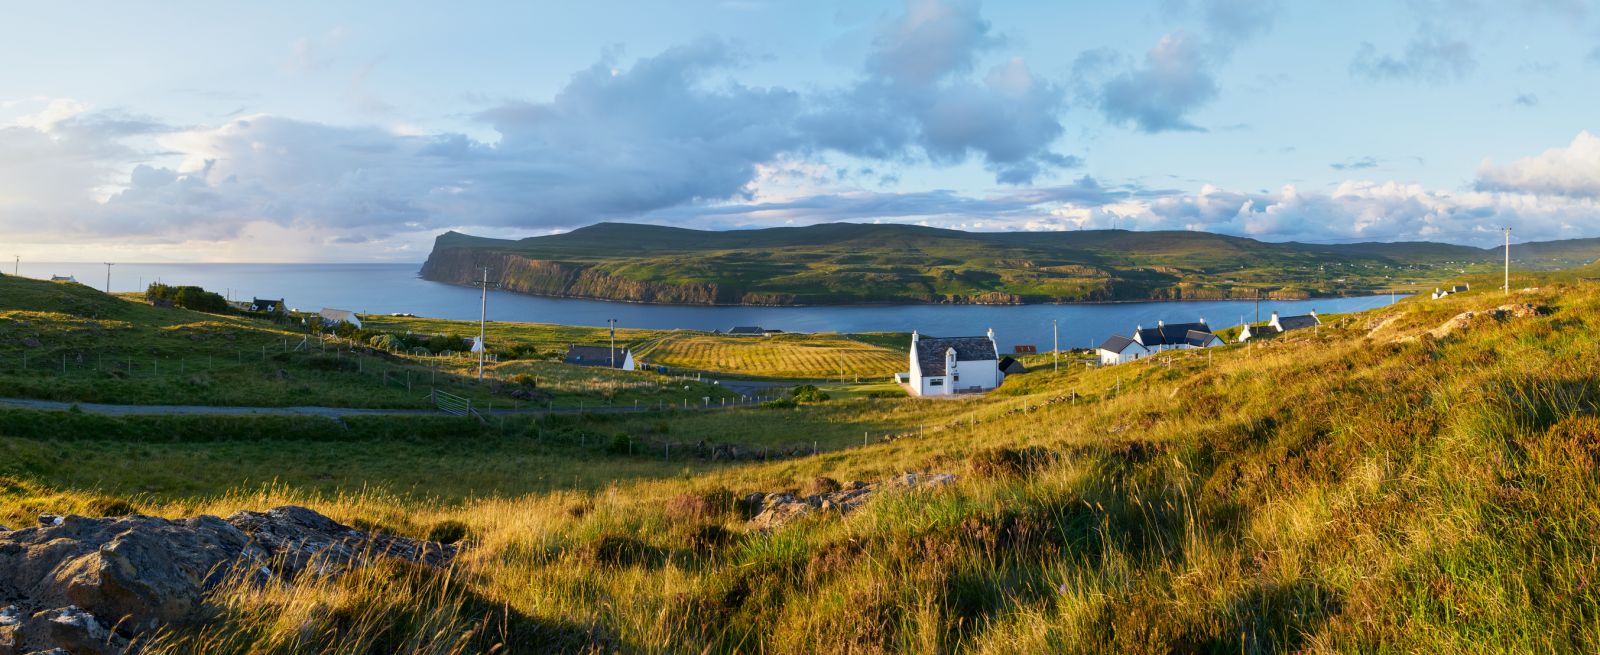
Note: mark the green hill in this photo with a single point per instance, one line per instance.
(841, 263)
(1380, 484)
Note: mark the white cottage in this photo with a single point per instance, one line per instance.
(1281, 324)
(1149, 341)
(948, 365)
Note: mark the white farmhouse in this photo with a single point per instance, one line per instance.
(1149, 341)
(949, 365)
(601, 356)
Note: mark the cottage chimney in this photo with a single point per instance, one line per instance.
(914, 336)
(1202, 320)
(991, 334)
(1274, 317)
(1313, 313)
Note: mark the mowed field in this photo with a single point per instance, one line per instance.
(781, 356)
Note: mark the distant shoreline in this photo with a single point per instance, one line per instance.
(896, 303)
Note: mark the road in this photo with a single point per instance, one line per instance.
(329, 412)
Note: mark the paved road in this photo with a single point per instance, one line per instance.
(330, 412)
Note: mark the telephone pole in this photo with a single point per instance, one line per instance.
(16, 266)
(1508, 260)
(1055, 345)
(483, 319)
(108, 276)
(613, 351)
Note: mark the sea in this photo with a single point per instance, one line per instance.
(396, 288)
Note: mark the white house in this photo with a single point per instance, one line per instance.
(1281, 324)
(1149, 341)
(600, 356)
(1119, 350)
(949, 365)
(336, 316)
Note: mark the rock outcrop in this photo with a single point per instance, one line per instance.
(88, 585)
(1503, 312)
(774, 510)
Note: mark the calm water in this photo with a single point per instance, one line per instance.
(387, 288)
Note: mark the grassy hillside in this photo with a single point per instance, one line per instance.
(1380, 484)
(849, 263)
(68, 342)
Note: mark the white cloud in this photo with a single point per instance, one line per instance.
(1573, 170)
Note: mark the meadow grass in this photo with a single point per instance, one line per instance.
(1354, 488)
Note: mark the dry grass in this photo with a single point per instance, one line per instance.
(1319, 492)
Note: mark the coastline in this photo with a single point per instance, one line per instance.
(910, 303)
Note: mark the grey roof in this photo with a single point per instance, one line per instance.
(931, 351)
(265, 304)
(746, 329)
(1171, 334)
(1297, 322)
(1118, 343)
(1459, 288)
(1199, 338)
(594, 356)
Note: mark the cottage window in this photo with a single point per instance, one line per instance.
(958, 378)
(936, 382)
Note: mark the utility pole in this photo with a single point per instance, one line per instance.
(483, 320)
(613, 351)
(16, 266)
(1508, 260)
(108, 276)
(1055, 346)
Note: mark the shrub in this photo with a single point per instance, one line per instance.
(326, 363)
(187, 297)
(621, 550)
(106, 506)
(709, 537)
(523, 379)
(888, 393)
(808, 393)
(1007, 462)
(387, 342)
(621, 444)
(448, 532)
(780, 403)
(821, 485)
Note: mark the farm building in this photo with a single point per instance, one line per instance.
(333, 316)
(752, 331)
(266, 305)
(1281, 324)
(63, 278)
(621, 358)
(1149, 341)
(1010, 366)
(950, 365)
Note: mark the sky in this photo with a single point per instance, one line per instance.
(359, 131)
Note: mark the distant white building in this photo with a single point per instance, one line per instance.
(1281, 324)
(949, 365)
(1149, 341)
(63, 278)
(335, 316)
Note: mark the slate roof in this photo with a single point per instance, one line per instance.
(1198, 338)
(931, 350)
(1171, 334)
(1297, 322)
(746, 329)
(594, 356)
(1118, 343)
(1010, 366)
(265, 304)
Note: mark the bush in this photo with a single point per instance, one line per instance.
(387, 342)
(187, 297)
(821, 485)
(888, 393)
(525, 380)
(326, 363)
(808, 393)
(448, 532)
(1008, 462)
(621, 444)
(780, 403)
(621, 550)
(105, 506)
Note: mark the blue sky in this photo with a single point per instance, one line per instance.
(359, 131)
